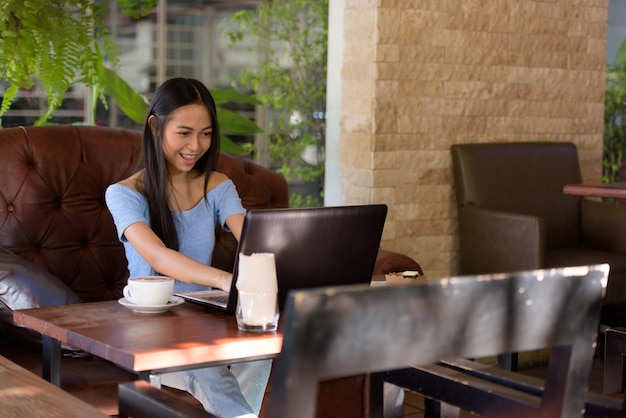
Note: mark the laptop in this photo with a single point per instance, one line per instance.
(313, 247)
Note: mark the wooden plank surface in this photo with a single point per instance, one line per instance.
(607, 190)
(22, 394)
(185, 335)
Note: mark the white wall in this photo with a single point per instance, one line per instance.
(616, 32)
(332, 180)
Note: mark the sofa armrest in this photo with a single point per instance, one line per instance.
(493, 241)
(604, 226)
(392, 262)
(25, 285)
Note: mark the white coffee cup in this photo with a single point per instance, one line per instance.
(149, 290)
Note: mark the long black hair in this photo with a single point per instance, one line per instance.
(169, 96)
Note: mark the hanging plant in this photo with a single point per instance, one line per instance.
(57, 43)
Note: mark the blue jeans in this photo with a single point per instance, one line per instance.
(234, 391)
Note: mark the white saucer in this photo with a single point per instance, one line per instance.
(174, 301)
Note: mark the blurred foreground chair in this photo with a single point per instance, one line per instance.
(513, 215)
(336, 332)
(343, 331)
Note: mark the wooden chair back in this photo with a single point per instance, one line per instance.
(343, 331)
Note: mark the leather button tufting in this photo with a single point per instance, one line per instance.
(10, 208)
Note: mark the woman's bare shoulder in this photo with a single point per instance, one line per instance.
(216, 179)
(134, 181)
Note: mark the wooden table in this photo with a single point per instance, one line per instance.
(187, 336)
(607, 190)
(22, 394)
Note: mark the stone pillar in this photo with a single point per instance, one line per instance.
(420, 75)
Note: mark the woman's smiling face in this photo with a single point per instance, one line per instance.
(186, 137)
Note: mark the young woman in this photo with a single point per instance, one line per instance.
(165, 216)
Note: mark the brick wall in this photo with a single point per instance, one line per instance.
(420, 75)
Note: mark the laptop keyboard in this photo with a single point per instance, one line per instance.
(221, 300)
(213, 297)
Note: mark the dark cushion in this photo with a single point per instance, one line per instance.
(393, 262)
(25, 285)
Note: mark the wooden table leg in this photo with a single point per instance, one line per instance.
(615, 351)
(376, 396)
(507, 361)
(51, 365)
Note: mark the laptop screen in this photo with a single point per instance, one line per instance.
(314, 247)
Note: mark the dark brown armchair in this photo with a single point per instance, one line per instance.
(513, 215)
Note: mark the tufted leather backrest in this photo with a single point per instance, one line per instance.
(525, 178)
(52, 210)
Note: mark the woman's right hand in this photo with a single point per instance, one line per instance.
(224, 279)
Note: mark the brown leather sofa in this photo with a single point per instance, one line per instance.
(58, 244)
(513, 215)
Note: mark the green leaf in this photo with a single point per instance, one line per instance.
(222, 96)
(133, 104)
(137, 8)
(235, 123)
(9, 95)
(229, 146)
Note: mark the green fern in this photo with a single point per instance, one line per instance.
(55, 43)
